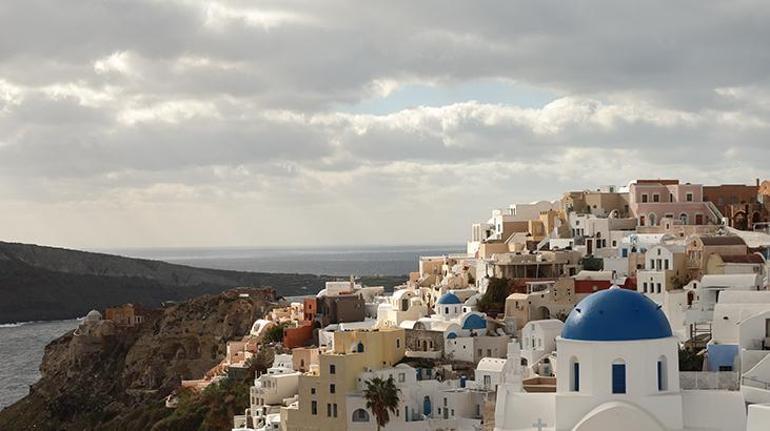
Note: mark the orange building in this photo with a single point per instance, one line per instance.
(738, 203)
(125, 315)
(298, 336)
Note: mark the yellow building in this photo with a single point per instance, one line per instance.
(322, 394)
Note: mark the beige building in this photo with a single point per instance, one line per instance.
(701, 247)
(601, 202)
(322, 392)
(543, 300)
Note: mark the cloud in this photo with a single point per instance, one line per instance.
(155, 120)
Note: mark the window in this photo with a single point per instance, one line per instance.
(328, 410)
(334, 409)
(645, 286)
(360, 415)
(575, 380)
(446, 310)
(332, 369)
(619, 377)
(671, 197)
(332, 388)
(688, 197)
(656, 197)
(658, 286)
(398, 343)
(644, 198)
(662, 376)
(401, 377)
(314, 407)
(665, 264)
(312, 391)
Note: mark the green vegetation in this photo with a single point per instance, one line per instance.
(494, 298)
(275, 334)
(381, 399)
(212, 409)
(690, 360)
(591, 263)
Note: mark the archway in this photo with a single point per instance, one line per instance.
(618, 415)
(541, 313)
(360, 415)
(740, 221)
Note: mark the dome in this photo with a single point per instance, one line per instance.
(93, 316)
(616, 314)
(474, 321)
(448, 298)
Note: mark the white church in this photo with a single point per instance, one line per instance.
(617, 369)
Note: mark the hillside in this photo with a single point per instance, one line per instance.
(105, 377)
(47, 283)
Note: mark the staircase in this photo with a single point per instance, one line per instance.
(755, 383)
(713, 212)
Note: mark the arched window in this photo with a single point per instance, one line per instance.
(619, 376)
(360, 347)
(662, 374)
(574, 380)
(683, 218)
(360, 415)
(651, 219)
(446, 310)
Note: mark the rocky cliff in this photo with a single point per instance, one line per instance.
(103, 377)
(47, 283)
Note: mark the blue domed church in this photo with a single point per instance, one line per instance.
(618, 369)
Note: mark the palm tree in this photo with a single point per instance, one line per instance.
(382, 399)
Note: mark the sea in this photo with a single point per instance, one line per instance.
(22, 344)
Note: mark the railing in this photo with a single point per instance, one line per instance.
(709, 380)
(755, 383)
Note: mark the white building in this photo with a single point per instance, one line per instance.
(538, 340)
(404, 304)
(423, 404)
(617, 370)
(277, 387)
(489, 373)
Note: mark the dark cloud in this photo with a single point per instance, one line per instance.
(230, 110)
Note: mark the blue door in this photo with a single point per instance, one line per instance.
(618, 378)
(426, 407)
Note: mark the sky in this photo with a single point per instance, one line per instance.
(177, 123)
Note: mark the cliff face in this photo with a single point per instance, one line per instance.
(47, 283)
(101, 377)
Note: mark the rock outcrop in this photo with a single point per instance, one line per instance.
(105, 377)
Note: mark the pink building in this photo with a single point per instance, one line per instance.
(651, 200)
